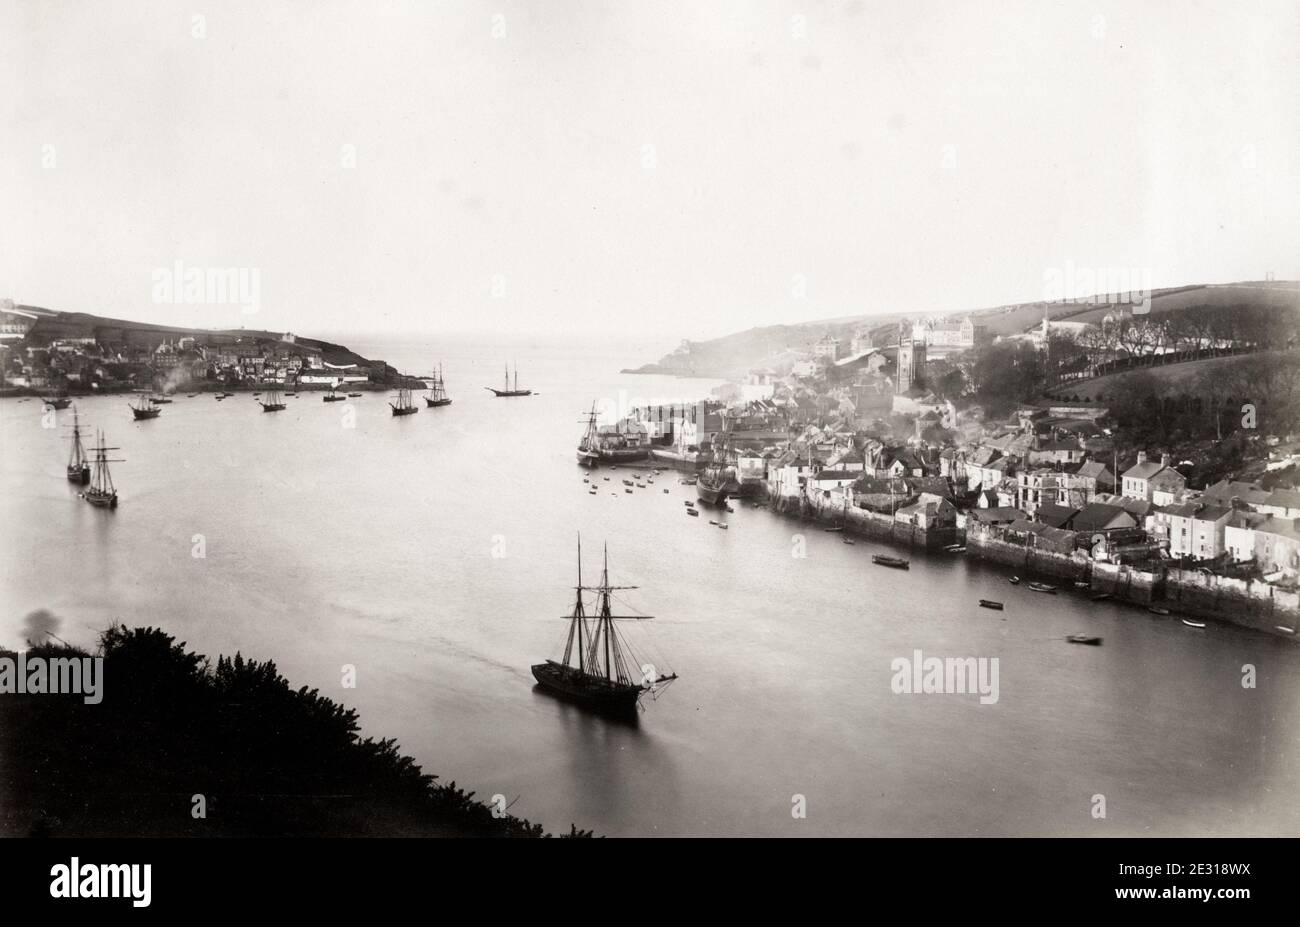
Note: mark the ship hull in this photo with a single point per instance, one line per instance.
(272, 408)
(102, 500)
(408, 410)
(588, 458)
(592, 691)
(436, 403)
(79, 475)
(713, 495)
(141, 414)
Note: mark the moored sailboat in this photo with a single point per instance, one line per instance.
(404, 406)
(437, 392)
(78, 461)
(102, 493)
(601, 677)
(508, 390)
(144, 408)
(272, 402)
(594, 447)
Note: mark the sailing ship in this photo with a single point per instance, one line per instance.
(272, 402)
(78, 461)
(601, 677)
(404, 406)
(437, 392)
(718, 481)
(102, 493)
(508, 391)
(593, 447)
(333, 395)
(144, 408)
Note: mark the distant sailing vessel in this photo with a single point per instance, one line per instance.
(404, 406)
(438, 392)
(102, 493)
(272, 402)
(602, 678)
(594, 448)
(508, 391)
(78, 461)
(333, 396)
(144, 408)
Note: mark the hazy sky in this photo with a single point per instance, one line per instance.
(684, 168)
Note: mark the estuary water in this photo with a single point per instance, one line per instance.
(436, 554)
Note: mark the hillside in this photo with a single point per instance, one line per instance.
(52, 324)
(731, 356)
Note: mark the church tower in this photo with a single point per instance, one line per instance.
(911, 360)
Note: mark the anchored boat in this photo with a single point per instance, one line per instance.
(594, 447)
(272, 402)
(438, 392)
(509, 391)
(897, 563)
(601, 677)
(78, 461)
(144, 408)
(102, 493)
(404, 406)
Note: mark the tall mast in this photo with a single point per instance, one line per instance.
(577, 612)
(608, 622)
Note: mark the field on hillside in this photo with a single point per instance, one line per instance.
(1173, 379)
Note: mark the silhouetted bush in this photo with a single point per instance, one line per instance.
(268, 759)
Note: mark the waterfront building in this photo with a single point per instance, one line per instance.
(1239, 535)
(1277, 546)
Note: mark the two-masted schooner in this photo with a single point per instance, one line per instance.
(508, 390)
(102, 492)
(78, 460)
(602, 676)
(437, 391)
(144, 408)
(404, 406)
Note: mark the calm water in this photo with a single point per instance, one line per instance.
(436, 554)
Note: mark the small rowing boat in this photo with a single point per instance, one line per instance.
(989, 603)
(1084, 639)
(897, 563)
(1193, 624)
(1043, 587)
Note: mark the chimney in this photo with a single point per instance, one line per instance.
(1164, 460)
(1142, 457)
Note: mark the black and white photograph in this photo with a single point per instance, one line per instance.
(598, 419)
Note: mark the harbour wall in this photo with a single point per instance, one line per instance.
(1256, 605)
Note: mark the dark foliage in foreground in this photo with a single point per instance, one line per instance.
(268, 759)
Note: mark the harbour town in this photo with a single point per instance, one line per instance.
(890, 435)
